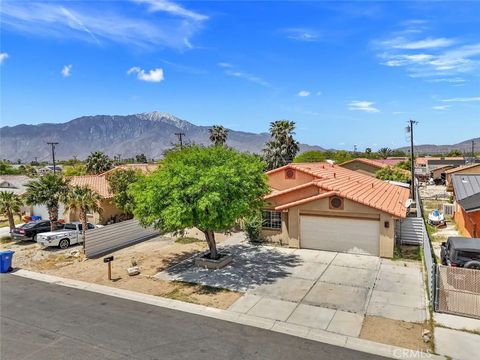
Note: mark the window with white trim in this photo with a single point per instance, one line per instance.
(271, 219)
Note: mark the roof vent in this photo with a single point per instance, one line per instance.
(336, 202)
(289, 174)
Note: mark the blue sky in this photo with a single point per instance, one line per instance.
(346, 72)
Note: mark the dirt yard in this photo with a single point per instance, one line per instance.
(395, 332)
(151, 256)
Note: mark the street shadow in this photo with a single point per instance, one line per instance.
(252, 265)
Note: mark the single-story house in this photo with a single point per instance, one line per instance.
(461, 170)
(364, 166)
(329, 207)
(439, 173)
(16, 184)
(49, 169)
(425, 164)
(466, 190)
(99, 183)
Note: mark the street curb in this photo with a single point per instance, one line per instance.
(304, 332)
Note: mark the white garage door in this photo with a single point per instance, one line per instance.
(41, 210)
(356, 236)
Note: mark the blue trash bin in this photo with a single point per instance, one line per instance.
(6, 260)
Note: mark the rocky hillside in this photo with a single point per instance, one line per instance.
(429, 149)
(148, 133)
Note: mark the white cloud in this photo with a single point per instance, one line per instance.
(225, 65)
(462, 99)
(100, 21)
(232, 70)
(456, 80)
(67, 70)
(302, 34)
(366, 106)
(303, 93)
(154, 75)
(428, 43)
(319, 93)
(172, 8)
(441, 107)
(3, 57)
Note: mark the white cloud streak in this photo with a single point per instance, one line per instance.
(303, 93)
(66, 70)
(154, 75)
(3, 56)
(232, 70)
(441, 107)
(301, 34)
(463, 99)
(366, 106)
(100, 22)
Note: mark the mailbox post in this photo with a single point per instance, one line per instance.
(109, 260)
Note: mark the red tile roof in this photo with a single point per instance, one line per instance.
(372, 162)
(353, 185)
(98, 183)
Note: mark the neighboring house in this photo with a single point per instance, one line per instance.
(440, 172)
(328, 207)
(99, 183)
(466, 190)
(461, 170)
(49, 169)
(392, 161)
(364, 166)
(424, 165)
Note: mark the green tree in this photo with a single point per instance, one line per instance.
(310, 156)
(74, 170)
(10, 204)
(48, 190)
(405, 165)
(7, 169)
(218, 135)
(282, 148)
(83, 200)
(384, 152)
(393, 174)
(454, 153)
(368, 152)
(98, 162)
(209, 188)
(119, 181)
(141, 158)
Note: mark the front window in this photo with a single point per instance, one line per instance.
(271, 219)
(70, 227)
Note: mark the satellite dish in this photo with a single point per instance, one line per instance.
(408, 203)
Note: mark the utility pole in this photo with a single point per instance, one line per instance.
(180, 139)
(473, 150)
(53, 155)
(412, 157)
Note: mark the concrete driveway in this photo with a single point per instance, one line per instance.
(320, 289)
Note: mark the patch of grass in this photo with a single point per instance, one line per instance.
(186, 291)
(187, 240)
(407, 252)
(5, 240)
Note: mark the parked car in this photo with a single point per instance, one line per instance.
(30, 230)
(461, 252)
(70, 234)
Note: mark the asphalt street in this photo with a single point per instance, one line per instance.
(47, 321)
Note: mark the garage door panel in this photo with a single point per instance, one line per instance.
(357, 236)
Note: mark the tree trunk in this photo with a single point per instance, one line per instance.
(11, 221)
(53, 216)
(210, 237)
(83, 219)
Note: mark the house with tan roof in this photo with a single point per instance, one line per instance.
(99, 183)
(461, 170)
(329, 207)
(364, 165)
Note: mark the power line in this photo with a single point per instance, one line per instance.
(180, 139)
(53, 155)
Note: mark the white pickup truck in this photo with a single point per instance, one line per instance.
(71, 234)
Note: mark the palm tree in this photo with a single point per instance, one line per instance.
(47, 189)
(83, 200)
(218, 135)
(10, 204)
(282, 149)
(384, 152)
(98, 162)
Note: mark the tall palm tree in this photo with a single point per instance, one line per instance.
(98, 162)
(218, 135)
(48, 190)
(282, 149)
(10, 205)
(83, 200)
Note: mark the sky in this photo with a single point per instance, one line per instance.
(348, 73)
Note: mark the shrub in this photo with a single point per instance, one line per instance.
(253, 227)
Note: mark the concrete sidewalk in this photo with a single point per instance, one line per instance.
(245, 319)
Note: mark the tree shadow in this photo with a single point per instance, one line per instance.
(251, 266)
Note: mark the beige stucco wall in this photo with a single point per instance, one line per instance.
(108, 210)
(278, 181)
(361, 167)
(291, 229)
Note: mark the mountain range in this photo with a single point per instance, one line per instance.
(127, 135)
(149, 133)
